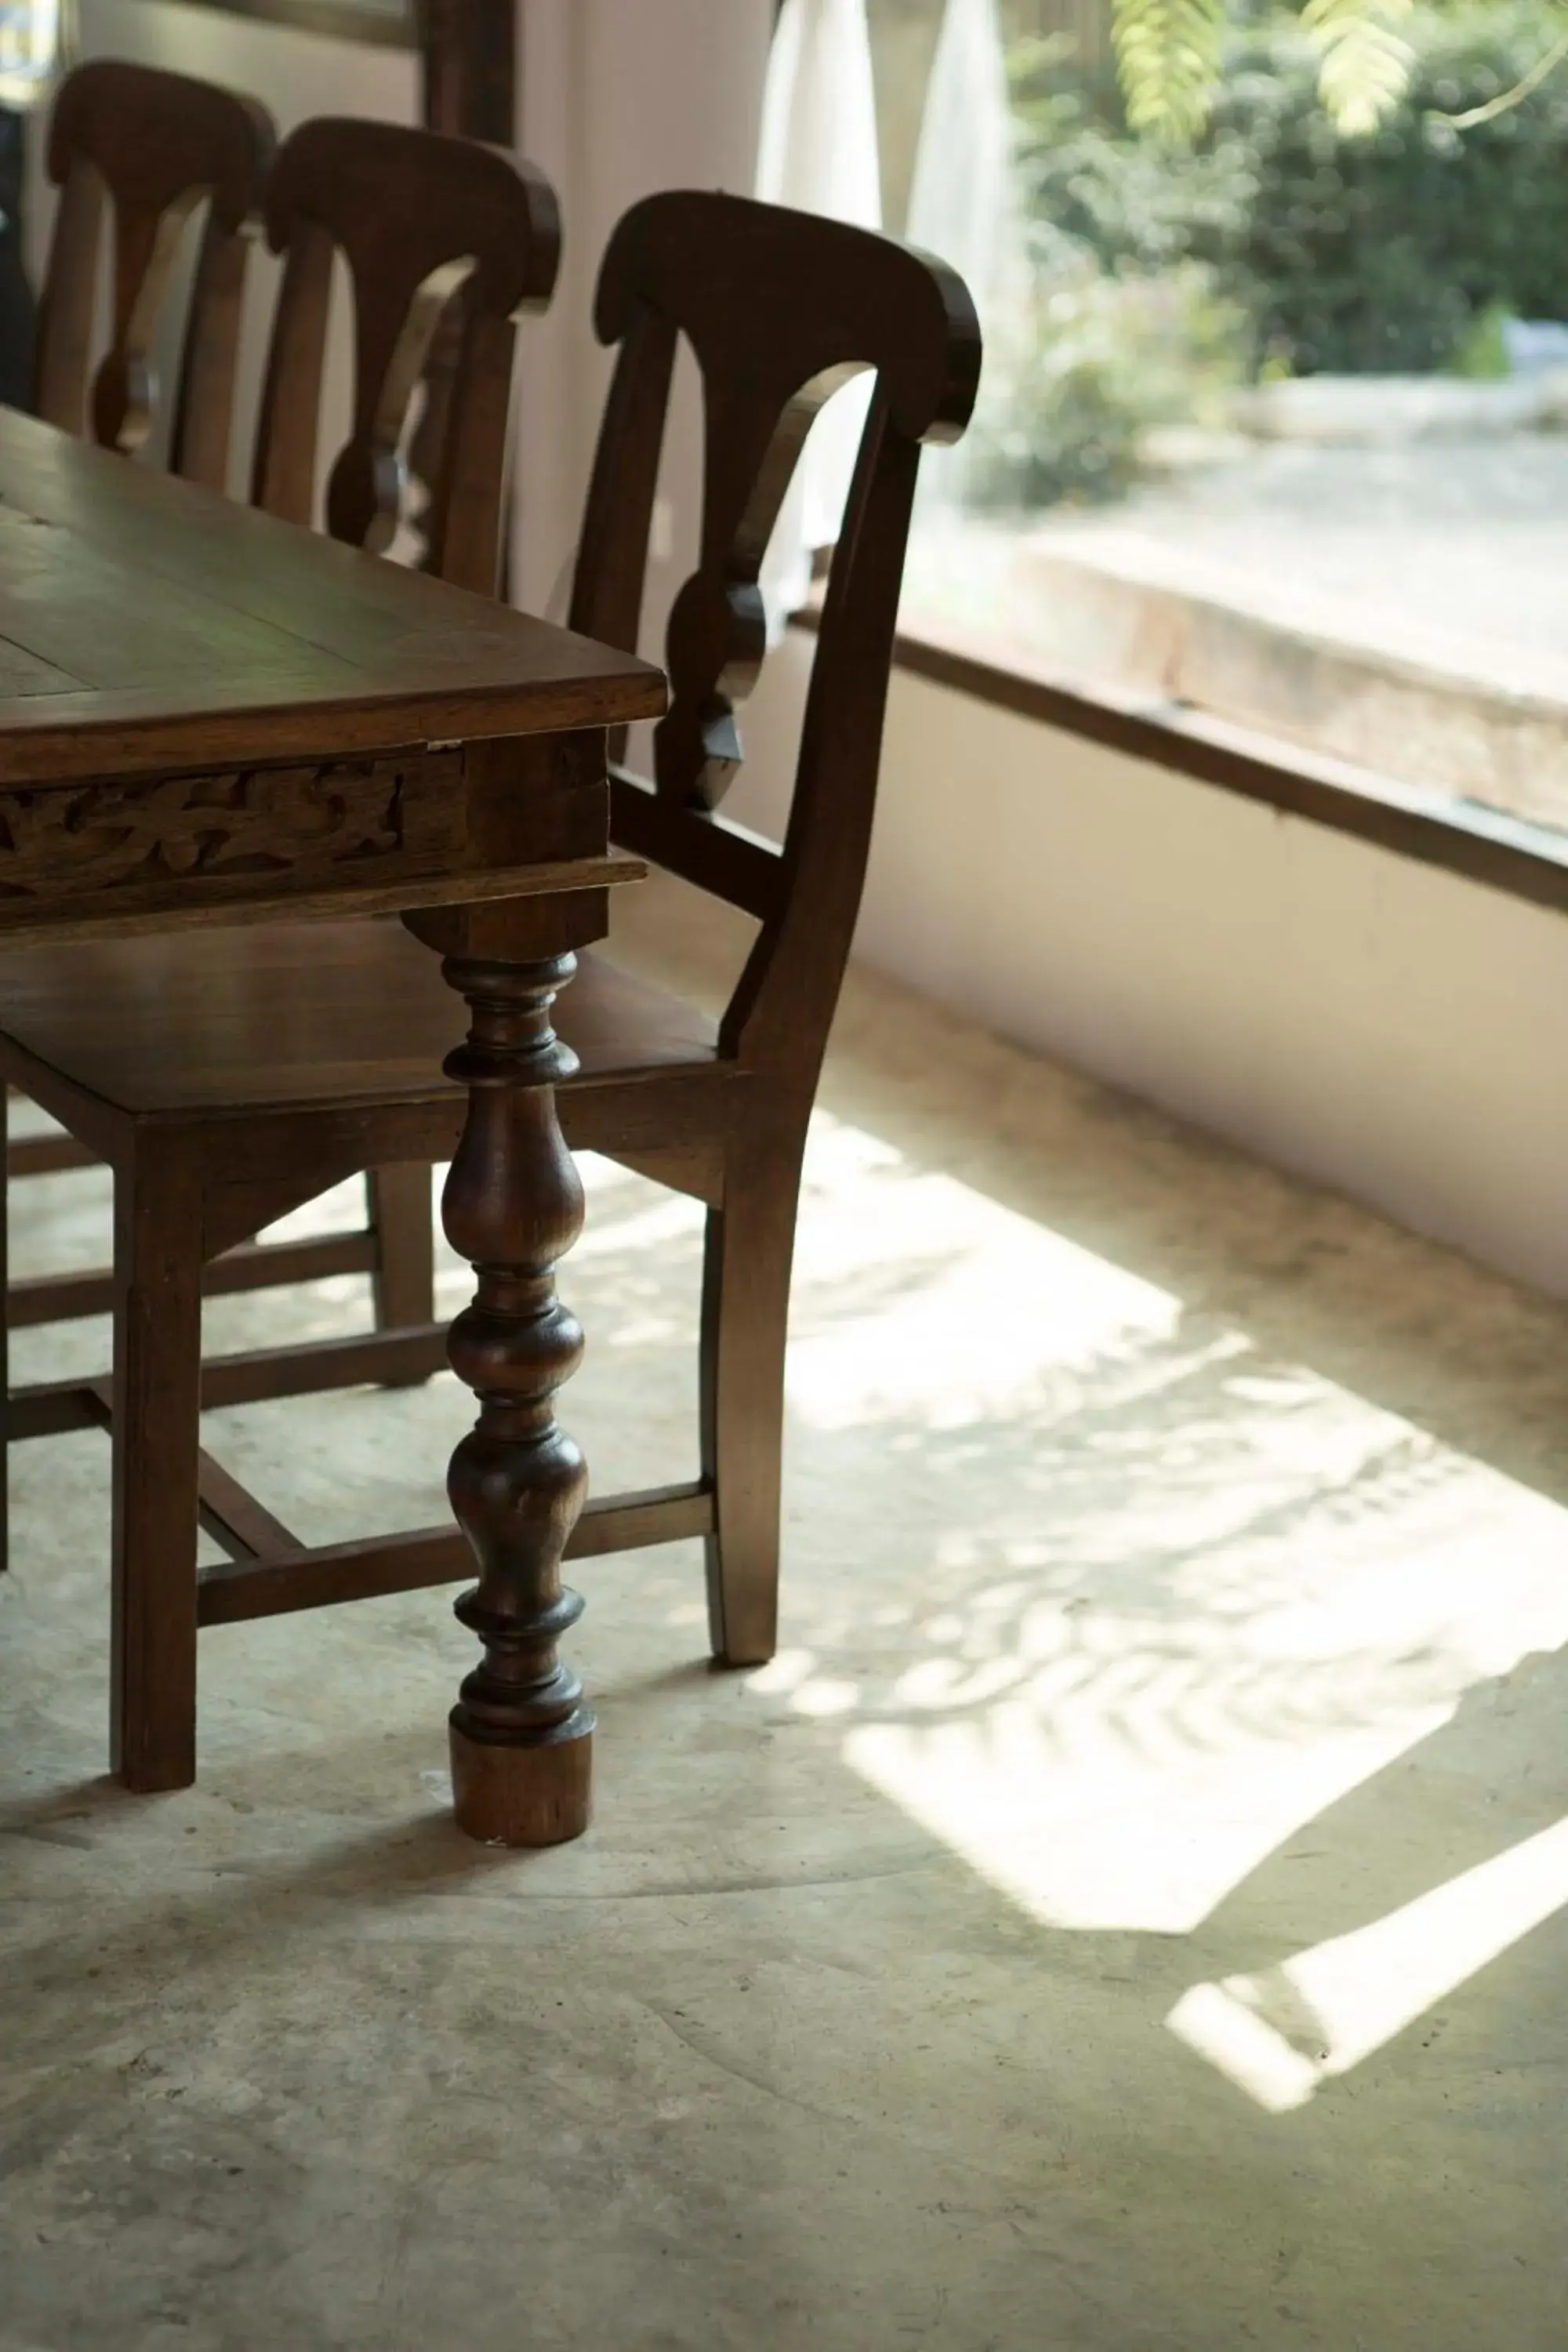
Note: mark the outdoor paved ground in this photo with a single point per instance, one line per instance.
(1467, 541)
(1467, 538)
(1450, 556)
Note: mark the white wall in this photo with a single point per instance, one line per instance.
(619, 98)
(1385, 1028)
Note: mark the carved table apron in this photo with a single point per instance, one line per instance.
(209, 716)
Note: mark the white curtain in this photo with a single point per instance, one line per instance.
(818, 151)
(965, 204)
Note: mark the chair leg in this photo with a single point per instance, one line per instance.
(745, 1316)
(157, 1402)
(404, 1282)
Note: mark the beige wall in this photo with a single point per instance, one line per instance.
(296, 74)
(1391, 1031)
(620, 97)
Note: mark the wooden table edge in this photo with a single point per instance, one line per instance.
(36, 757)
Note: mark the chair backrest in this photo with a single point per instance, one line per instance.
(433, 228)
(146, 148)
(781, 309)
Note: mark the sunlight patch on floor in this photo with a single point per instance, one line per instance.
(1183, 1595)
(1143, 1597)
(1059, 1804)
(915, 1292)
(1280, 2036)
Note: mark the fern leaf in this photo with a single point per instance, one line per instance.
(1169, 53)
(1365, 65)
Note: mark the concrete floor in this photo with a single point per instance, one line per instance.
(1128, 1914)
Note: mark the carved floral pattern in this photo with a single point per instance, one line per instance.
(61, 843)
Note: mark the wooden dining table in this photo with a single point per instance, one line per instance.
(208, 716)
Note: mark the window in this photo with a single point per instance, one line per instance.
(1275, 424)
(392, 23)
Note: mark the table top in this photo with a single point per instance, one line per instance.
(146, 624)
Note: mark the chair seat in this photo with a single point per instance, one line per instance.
(238, 1018)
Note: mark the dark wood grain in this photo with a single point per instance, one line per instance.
(404, 1261)
(468, 50)
(157, 1393)
(200, 441)
(320, 1062)
(469, 59)
(845, 303)
(296, 1016)
(276, 1579)
(47, 1155)
(421, 220)
(781, 310)
(152, 834)
(134, 151)
(207, 715)
(446, 243)
(521, 1732)
(231, 1515)
(62, 1298)
(149, 625)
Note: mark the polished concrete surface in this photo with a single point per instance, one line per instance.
(1129, 1913)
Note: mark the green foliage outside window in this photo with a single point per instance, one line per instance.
(1277, 244)
(1350, 254)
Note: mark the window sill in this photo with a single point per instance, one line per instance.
(1505, 853)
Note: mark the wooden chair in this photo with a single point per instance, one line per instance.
(426, 224)
(231, 1075)
(140, 149)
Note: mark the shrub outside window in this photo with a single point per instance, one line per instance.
(1275, 416)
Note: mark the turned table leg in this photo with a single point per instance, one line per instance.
(521, 1735)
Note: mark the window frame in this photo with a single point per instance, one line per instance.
(1480, 845)
(341, 20)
